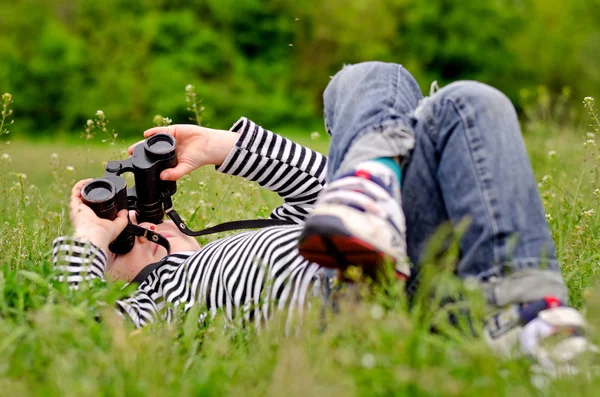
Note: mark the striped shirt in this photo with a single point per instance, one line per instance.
(251, 274)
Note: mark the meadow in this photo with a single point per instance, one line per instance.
(52, 344)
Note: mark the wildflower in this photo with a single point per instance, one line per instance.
(597, 193)
(552, 153)
(89, 123)
(589, 142)
(7, 97)
(54, 156)
(189, 88)
(166, 121)
(70, 168)
(157, 120)
(588, 213)
(377, 312)
(368, 361)
(590, 135)
(548, 217)
(5, 156)
(314, 135)
(99, 113)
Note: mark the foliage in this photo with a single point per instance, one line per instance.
(6, 113)
(53, 345)
(271, 59)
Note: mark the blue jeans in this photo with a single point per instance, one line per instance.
(464, 158)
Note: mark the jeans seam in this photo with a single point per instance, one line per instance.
(477, 151)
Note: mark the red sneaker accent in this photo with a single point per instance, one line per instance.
(355, 251)
(363, 174)
(552, 302)
(401, 276)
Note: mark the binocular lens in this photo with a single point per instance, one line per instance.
(98, 191)
(101, 196)
(160, 144)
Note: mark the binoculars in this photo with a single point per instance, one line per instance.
(150, 197)
(108, 195)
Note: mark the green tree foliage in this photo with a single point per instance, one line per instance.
(271, 59)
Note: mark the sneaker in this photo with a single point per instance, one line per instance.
(358, 221)
(548, 331)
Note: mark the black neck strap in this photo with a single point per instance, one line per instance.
(223, 227)
(227, 226)
(149, 234)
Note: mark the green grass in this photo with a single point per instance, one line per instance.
(50, 343)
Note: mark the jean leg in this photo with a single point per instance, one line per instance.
(470, 156)
(368, 108)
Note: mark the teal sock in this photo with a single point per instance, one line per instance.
(392, 165)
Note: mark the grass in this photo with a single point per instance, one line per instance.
(50, 343)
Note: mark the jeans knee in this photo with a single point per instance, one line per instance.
(352, 79)
(479, 95)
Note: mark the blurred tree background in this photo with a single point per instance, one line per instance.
(270, 59)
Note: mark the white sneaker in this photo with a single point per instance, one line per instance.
(358, 221)
(546, 330)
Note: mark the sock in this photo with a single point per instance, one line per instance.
(392, 165)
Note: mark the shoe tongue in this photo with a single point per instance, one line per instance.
(379, 174)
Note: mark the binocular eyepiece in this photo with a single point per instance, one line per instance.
(108, 195)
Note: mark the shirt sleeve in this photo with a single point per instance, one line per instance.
(291, 170)
(77, 261)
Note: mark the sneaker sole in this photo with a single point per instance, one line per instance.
(330, 240)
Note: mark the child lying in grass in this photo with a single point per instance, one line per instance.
(399, 166)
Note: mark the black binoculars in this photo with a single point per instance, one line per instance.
(109, 195)
(150, 197)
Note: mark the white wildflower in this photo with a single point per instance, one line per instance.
(99, 113)
(70, 168)
(89, 122)
(314, 135)
(589, 142)
(552, 153)
(589, 213)
(368, 361)
(590, 135)
(545, 179)
(54, 156)
(548, 217)
(5, 156)
(377, 312)
(189, 88)
(597, 193)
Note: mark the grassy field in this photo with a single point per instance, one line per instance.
(50, 343)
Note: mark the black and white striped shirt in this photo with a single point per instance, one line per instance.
(251, 274)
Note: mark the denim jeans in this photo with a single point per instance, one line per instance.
(463, 158)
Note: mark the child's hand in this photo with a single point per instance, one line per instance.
(89, 226)
(196, 146)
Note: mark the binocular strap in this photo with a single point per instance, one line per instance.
(227, 226)
(148, 234)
